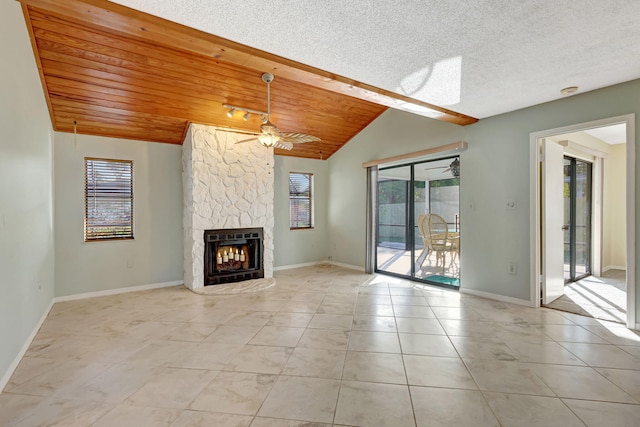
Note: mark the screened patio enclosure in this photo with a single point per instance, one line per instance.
(408, 195)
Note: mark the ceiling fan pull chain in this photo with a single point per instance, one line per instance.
(266, 159)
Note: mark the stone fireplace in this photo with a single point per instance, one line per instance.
(226, 186)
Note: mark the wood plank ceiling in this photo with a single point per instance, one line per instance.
(120, 73)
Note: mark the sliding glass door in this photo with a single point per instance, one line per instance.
(418, 233)
(394, 241)
(577, 219)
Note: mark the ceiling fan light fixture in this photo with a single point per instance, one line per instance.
(231, 112)
(268, 140)
(270, 135)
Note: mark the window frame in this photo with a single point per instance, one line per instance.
(310, 198)
(90, 237)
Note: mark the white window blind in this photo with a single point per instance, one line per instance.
(108, 202)
(300, 200)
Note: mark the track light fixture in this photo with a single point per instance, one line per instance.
(247, 112)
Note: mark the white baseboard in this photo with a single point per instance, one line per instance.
(614, 267)
(292, 266)
(117, 291)
(7, 375)
(349, 266)
(309, 264)
(496, 297)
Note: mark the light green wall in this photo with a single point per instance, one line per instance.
(495, 168)
(504, 144)
(300, 246)
(156, 253)
(26, 222)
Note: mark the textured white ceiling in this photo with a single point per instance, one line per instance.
(480, 58)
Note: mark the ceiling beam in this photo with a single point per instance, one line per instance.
(120, 19)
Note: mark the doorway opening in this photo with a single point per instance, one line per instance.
(583, 190)
(418, 222)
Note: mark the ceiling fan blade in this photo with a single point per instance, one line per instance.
(236, 131)
(436, 167)
(285, 145)
(298, 138)
(246, 140)
(446, 170)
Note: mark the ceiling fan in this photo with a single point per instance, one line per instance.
(270, 135)
(454, 168)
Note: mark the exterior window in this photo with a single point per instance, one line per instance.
(108, 199)
(301, 200)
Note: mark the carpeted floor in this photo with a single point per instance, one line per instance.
(602, 297)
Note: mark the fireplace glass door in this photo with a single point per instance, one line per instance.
(232, 255)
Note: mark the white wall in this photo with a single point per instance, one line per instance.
(300, 246)
(614, 212)
(494, 169)
(155, 255)
(26, 222)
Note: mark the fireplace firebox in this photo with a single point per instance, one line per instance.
(233, 255)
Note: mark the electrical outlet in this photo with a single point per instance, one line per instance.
(512, 268)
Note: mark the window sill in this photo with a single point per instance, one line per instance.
(113, 239)
(300, 228)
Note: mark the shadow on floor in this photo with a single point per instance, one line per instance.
(602, 297)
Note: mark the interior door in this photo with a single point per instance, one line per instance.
(552, 221)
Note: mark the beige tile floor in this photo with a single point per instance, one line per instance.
(325, 346)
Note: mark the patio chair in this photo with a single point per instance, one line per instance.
(438, 238)
(423, 226)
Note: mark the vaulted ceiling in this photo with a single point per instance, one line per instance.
(113, 71)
